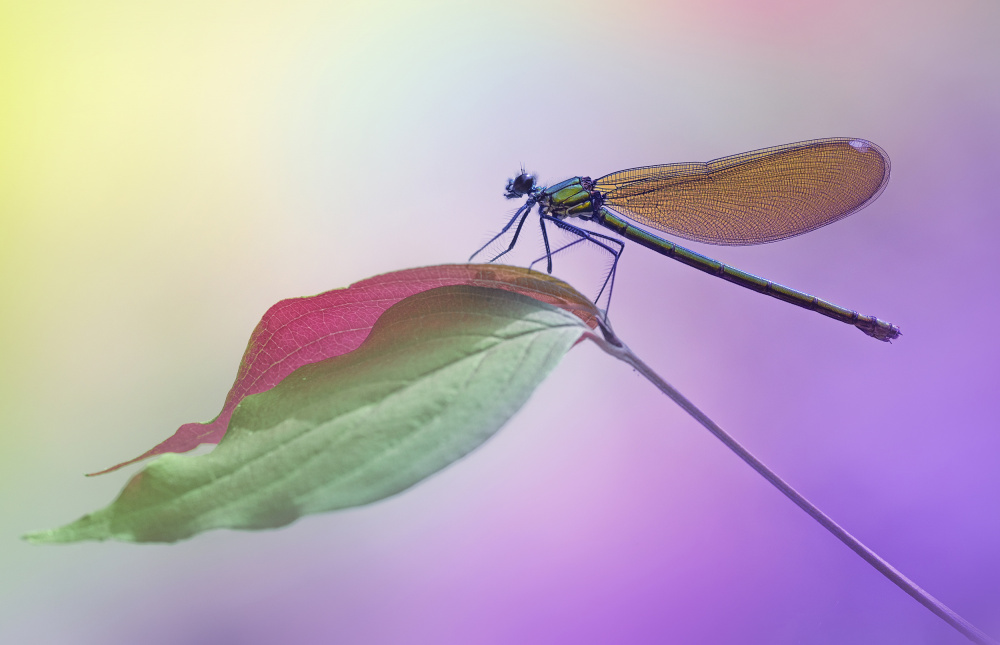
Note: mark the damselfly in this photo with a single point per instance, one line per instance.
(749, 198)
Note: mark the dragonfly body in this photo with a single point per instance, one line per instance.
(750, 198)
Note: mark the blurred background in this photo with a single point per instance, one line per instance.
(168, 170)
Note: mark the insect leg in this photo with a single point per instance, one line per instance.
(602, 241)
(545, 238)
(522, 213)
(609, 281)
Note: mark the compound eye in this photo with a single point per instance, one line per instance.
(524, 183)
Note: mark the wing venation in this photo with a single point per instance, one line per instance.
(753, 197)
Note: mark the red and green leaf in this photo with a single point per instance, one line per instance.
(437, 374)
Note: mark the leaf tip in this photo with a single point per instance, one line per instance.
(48, 536)
(90, 527)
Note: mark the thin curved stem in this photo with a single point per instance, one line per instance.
(613, 346)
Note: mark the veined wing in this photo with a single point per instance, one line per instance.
(752, 197)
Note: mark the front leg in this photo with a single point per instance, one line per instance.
(523, 214)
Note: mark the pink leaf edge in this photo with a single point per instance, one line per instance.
(300, 331)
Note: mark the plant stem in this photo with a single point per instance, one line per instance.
(612, 345)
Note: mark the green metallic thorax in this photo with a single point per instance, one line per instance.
(570, 198)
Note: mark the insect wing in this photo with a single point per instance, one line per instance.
(753, 197)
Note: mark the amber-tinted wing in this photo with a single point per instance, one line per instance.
(753, 197)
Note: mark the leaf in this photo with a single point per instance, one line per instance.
(439, 374)
(300, 331)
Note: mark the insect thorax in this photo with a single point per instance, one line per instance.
(574, 197)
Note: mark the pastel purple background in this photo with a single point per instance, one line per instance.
(170, 170)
